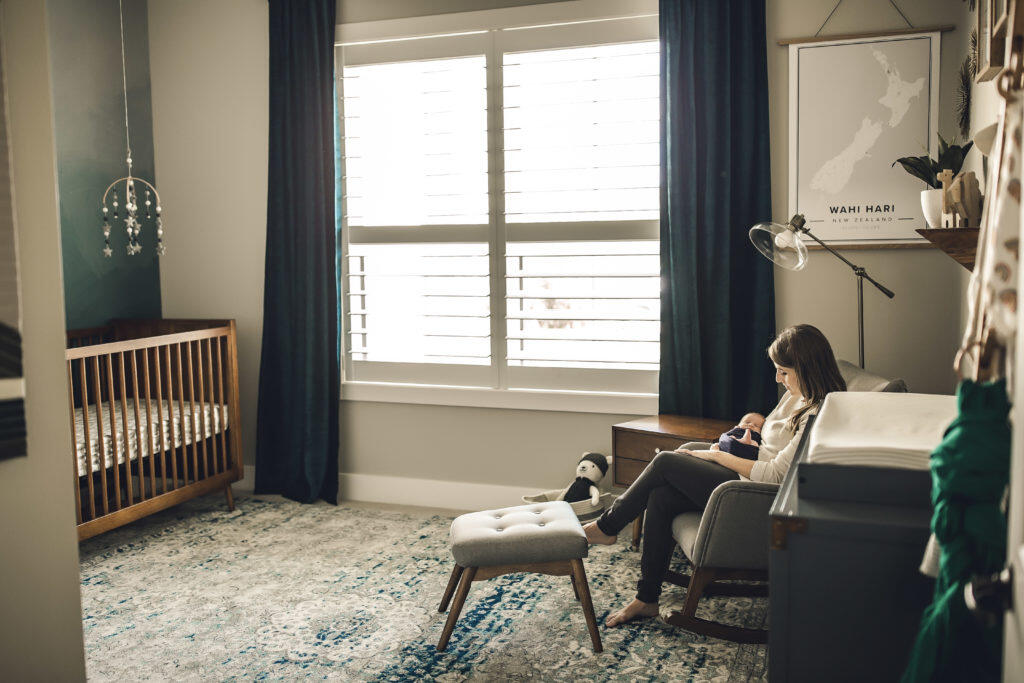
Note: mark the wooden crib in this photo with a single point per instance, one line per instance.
(155, 417)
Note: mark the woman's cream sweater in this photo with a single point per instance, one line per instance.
(779, 440)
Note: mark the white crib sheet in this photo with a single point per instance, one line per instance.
(209, 424)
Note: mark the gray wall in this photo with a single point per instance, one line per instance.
(40, 604)
(916, 335)
(210, 135)
(85, 49)
(197, 79)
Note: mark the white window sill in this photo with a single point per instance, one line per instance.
(512, 399)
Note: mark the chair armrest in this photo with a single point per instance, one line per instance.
(735, 527)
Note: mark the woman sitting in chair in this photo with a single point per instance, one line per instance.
(682, 481)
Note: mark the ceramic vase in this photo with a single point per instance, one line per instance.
(931, 206)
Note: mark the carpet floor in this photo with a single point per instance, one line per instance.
(281, 591)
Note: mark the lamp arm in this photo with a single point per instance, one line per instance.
(857, 270)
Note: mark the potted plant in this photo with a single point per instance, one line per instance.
(927, 169)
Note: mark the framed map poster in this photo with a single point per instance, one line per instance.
(855, 106)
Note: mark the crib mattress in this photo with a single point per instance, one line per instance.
(212, 419)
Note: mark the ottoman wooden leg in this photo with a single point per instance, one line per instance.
(460, 600)
(579, 575)
(449, 590)
(575, 589)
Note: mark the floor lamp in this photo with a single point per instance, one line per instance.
(782, 245)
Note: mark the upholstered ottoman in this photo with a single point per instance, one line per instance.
(544, 537)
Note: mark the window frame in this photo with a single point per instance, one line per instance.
(492, 33)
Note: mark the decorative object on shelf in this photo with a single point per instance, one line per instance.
(925, 168)
(126, 187)
(961, 200)
(840, 140)
(783, 245)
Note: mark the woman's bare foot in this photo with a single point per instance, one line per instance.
(634, 610)
(595, 535)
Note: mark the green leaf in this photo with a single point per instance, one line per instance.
(919, 167)
(953, 157)
(927, 169)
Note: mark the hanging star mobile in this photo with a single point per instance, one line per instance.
(151, 205)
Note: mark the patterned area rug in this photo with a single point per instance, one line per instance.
(278, 590)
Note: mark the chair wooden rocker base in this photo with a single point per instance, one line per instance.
(702, 583)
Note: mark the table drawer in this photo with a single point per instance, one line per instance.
(626, 470)
(636, 446)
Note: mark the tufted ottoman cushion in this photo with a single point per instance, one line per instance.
(541, 532)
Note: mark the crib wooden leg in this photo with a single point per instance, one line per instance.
(231, 498)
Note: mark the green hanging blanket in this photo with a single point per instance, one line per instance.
(970, 471)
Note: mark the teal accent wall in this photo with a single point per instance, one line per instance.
(85, 59)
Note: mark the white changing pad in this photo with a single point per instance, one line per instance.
(210, 421)
(880, 429)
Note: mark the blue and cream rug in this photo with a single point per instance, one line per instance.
(280, 591)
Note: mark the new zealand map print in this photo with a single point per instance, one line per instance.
(855, 107)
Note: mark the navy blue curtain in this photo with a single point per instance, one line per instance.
(297, 431)
(717, 300)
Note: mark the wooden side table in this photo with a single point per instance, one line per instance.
(635, 443)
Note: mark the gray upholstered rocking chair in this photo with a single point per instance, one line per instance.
(729, 541)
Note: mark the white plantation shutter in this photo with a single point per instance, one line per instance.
(500, 208)
(583, 304)
(422, 303)
(416, 143)
(581, 133)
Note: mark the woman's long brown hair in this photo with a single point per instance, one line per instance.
(805, 349)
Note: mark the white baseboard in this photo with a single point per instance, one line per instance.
(434, 493)
(454, 495)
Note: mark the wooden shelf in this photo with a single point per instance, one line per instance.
(959, 243)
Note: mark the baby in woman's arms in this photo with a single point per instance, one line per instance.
(744, 439)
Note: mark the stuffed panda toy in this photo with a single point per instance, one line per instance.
(591, 469)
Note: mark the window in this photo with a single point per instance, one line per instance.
(500, 207)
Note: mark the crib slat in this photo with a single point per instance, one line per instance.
(170, 416)
(83, 389)
(74, 458)
(220, 411)
(161, 439)
(98, 394)
(150, 439)
(129, 488)
(138, 428)
(181, 414)
(192, 414)
(206, 373)
(200, 419)
(113, 431)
